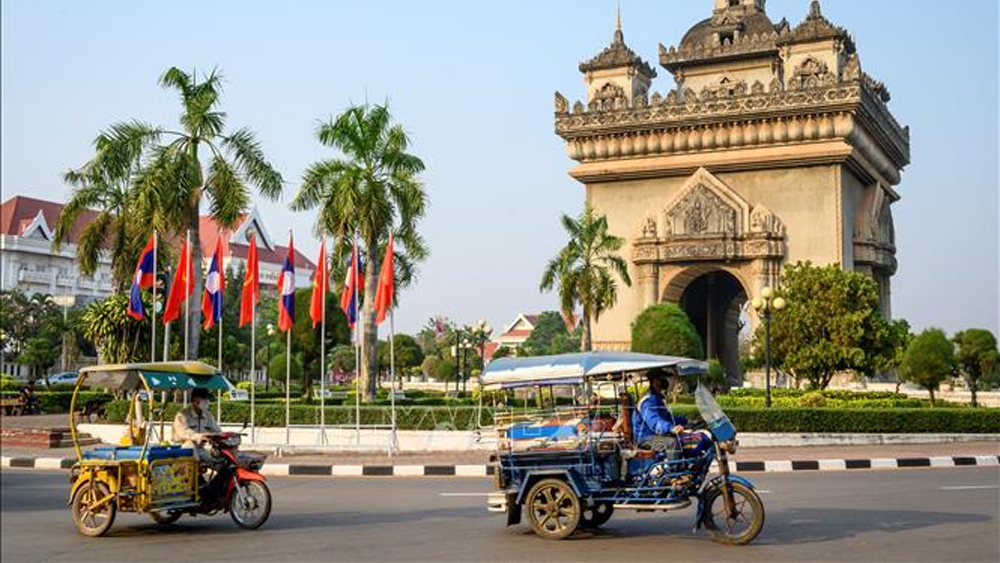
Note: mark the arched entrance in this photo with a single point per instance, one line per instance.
(714, 300)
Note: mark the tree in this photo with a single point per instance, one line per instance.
(444, 370)
(370, 192)
(977, 357)
(832, 323)
(342, 362)
(173, 171)
(118, 337)
(666, 329)
(550, 336)
(278, 370)
(582, 271)
(429, 366)
(929, 360)
(503, 352)
(39, 355)
(106, 187)
(407, 351)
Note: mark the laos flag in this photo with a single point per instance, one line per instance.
(353, 286)
(215, 283)
(286, 287)
(143, 278)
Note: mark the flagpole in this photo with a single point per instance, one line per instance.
(219, 394)
(187, 301)
(253, 365)
(393, 444)
(322, 351)
(288, 355)
(355, 262)
(166, 327)
(152, 340)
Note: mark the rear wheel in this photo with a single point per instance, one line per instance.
(91, 520)
(553, 509)
(743, 525)
(250, 504)
(596, 515)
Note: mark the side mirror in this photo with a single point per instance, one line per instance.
(245, 424)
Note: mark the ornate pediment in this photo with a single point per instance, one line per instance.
(706, 207)
(709, 221)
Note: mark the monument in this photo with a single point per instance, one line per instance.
(772, 146)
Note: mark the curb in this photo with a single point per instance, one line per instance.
(775, 466)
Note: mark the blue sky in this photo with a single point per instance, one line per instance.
(472, 82)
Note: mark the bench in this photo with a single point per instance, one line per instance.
(13, 406)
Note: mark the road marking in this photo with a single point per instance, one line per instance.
(470, 470)
(968, 487)
(408, 470)
(464, 494)
(884, 463)
(942, 461)
(832, 465)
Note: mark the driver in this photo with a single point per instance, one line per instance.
(194, 423)
(654, 426)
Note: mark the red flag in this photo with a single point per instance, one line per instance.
(320, 287)
(386, 284)
(182, 286)
(251, 285)
(286, 290)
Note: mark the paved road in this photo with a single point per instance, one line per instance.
(905, 515)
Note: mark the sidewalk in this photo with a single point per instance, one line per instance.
(771, 459)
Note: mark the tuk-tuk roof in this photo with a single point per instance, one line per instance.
(567, 369)
(160, 376)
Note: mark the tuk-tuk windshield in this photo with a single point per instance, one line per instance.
(712, 414)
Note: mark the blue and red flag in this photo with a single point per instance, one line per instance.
(215, 283)
(143, 278)
(353, 286)
(286, 287)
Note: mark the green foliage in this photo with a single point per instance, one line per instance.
(665, 329)
(583, 270)
(550, 336)
(278, 369)
(444, 370)
(812, 399)
(777, 419)
(977, 357)
(503, 352)
(157, 178)
(407, 351)
(928, 360)
(429, 366)
(371, 190)
(832, 323)
(118, 337)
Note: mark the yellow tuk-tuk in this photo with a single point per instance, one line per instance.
(145, 474)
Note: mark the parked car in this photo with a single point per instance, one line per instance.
(63, 378)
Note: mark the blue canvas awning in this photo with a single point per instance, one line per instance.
(568, 369)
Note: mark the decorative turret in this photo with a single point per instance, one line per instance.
(617, 77)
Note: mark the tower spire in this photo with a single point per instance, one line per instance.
(619, 36)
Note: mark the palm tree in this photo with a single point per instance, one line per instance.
(169, 172)
(583, 269)
(369, 191)
(114, 228)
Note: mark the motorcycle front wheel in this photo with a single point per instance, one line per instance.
(250, 504)
(739, 528)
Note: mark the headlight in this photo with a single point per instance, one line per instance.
(729, 446)
(232, 441)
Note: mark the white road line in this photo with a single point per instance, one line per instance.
(464, 494)
(969, 487)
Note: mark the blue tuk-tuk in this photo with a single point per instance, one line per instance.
(565, 453)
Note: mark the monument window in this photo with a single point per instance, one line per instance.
(726, 37)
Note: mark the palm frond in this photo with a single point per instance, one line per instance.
(248, 159)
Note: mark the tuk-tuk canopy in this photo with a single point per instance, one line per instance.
(160, 376)
(569, 369)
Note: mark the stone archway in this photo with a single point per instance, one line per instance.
(713, 298)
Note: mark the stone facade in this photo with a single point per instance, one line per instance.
(773, 146)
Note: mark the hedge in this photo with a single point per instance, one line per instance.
(55, 402)
(777, 419)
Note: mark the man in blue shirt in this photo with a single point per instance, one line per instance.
(654, 427)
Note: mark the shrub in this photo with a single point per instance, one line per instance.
(812, 399)
(666, 329)
(928, 360)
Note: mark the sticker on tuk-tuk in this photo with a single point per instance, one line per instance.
(172, 479)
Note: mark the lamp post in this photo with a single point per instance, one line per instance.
(267, 372)
(480, 334)
(765, 305)
(465, 360)
(458, 358)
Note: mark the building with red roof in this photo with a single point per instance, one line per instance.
(28, 261)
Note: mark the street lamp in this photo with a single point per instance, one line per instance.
(267, 372)
(465, 360)
(765, 305)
